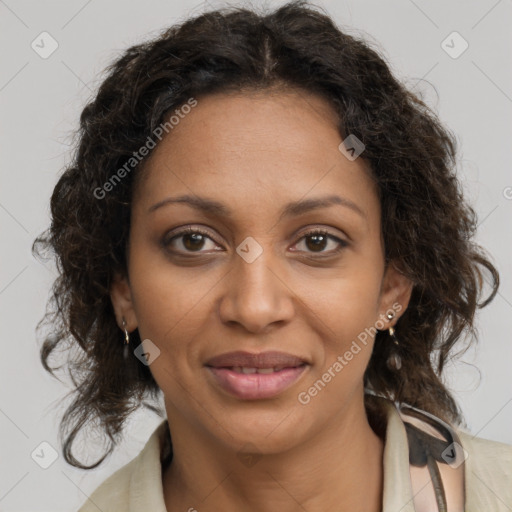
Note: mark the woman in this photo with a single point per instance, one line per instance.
(263, 226)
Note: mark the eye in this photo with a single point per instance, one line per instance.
(193, 239)
(319, 240)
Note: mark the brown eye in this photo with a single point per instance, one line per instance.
(193, 241)
(187, 240)
(318, 240)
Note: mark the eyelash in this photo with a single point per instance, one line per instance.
(315, 231)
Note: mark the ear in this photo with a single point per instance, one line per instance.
(395, 293)
(122, 301)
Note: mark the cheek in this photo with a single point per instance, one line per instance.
(168, 300)
(346, 309)
(169, 310)
(347, 300)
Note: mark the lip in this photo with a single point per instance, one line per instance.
(270, 359)
(256, 386)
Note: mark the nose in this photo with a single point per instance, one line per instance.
(257, 295)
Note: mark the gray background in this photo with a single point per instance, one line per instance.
(40, 102)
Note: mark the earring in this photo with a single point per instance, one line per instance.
(126, 340)
(394, 361)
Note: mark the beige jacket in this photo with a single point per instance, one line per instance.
(137, 486)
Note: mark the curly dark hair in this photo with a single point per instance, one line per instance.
(427, 227)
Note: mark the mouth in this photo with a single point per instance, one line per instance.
(249, 371)
(256, 376)
(262, 360)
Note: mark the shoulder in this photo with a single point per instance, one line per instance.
(488, 472)
(138, 482)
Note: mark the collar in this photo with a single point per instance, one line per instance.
(146, 490)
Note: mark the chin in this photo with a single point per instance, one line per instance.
(271, 432)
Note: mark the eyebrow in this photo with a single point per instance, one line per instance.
(211, 207)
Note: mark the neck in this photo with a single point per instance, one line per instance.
(339, 468)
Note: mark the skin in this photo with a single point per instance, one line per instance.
(255, 152)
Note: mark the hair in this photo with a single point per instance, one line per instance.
(427, 227)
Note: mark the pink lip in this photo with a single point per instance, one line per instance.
(256, 386)
(269, 359)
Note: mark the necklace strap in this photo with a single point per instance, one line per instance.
(436, 462)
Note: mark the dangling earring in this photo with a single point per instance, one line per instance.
(394, 361)
(126, 341)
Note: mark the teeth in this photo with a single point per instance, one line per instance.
(248, 371)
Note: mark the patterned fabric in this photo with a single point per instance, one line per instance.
(137, 486)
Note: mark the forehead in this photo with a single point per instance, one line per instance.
(255, 147)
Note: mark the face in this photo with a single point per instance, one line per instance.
(237, 269)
